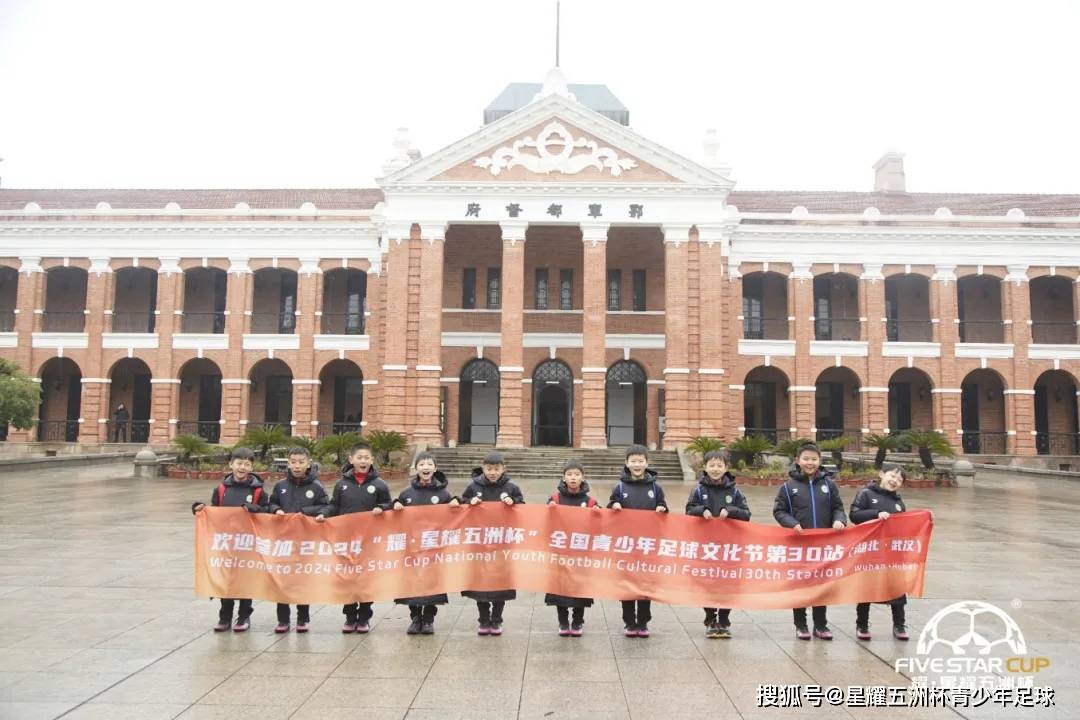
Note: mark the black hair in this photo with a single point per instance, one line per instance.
(494, 458)
(425, 455)
(573, 464)
(242, 453)
(357, 447)
(299, 450)
(891, 466)
(808, 447)
(722, 455)
(637, 450)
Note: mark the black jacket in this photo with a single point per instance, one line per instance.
(563, 496)
(871, 500)
(643, 494)
(811, 503)
(491, 492)
(420, 495)
(303, 495)
(364, 495)
(716, 496)
(239, 494)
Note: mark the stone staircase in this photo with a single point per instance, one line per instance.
(545, 463)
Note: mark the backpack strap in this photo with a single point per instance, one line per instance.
(221, 494)
(255, 495)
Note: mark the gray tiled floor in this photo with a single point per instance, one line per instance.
(100, 622)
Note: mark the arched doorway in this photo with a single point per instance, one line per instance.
(911, 406)
(766, 406)
(341, 398)
(837, 406)
(61, 401)
(130, 385)
(624, 401)
(1057, 426)
(134, 300)
(982, 413)
(270, 400)
(200, 400)
(478, 402)
(553, 404)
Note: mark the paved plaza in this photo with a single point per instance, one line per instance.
(99, 621)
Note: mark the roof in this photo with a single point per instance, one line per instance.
(598, 98)
(892, 203)
(188, 199)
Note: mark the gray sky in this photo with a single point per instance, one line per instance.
(982, 96)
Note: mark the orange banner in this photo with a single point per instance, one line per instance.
(566, 550)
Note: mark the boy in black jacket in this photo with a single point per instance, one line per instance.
(426, 488)
(877, 501)
(359, 490)
(573, 491)
(810, 498)
(637, 489)
(490, 483)
(300, 492)
(717, 497)
(240, 488)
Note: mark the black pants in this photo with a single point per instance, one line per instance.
(718, 616)
(565, 614)
(636, 612)
(358, 612)
(226, 613)
(862, 614)
(490, 612)
(303, 613)
(423, 613)
(819, 611)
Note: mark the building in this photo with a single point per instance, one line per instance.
(553, 278)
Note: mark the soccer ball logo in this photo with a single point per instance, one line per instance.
(972, 612)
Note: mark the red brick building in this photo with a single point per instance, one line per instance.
(553, 278)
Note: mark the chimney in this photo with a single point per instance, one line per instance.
(889, 173)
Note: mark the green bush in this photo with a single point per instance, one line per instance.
(790, 447)
(188, 446)
(337, 446)
(930, 443)
(264, 439)
(384, 442)
(750, 448)
(884, 444)
(836, 447)
(705, 443)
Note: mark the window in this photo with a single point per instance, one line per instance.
(566, 289)
(494, 288)
(541, 289)
(468, 288)
(614, 290)
(639, 291)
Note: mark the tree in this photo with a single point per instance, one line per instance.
(704, 443)
(19, 397)
(836, 447)
(884, 444)
(338, 446)
(750, 448)
(263, 439)
(384, 442)
(189, 446)
(930, 443)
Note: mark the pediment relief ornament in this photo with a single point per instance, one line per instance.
(554, 152)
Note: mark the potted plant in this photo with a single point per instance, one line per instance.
(750, 449)
(930, 443)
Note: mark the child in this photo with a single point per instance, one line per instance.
(878, 501)
(572, 490)
(359, 490)
(300, 492)
(810, 498)
(427, 487)
(240, 488)
(637, 489)
(490, 483)
(717, 497)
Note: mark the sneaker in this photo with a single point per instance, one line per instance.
(302, 627)
(241, 625)
(414, 627)
(281, 628)
(630, 631)
(712, 631)
(900, 633)
(495, 628)
(802, 633)
(362, 628)
(862, 632)
(349, 627)
(643, 631)
(823, 633)
(564, 630)
(576, 630)
(427, 628)
(723, 632)
(483, 628)
(222, 626)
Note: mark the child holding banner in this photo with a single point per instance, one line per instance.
(300, 492)
(878, 501)
(427, 487)
(573, 491)
(359, 490)
(240, 488)
(717, 497)
(810, 498)
(490, 483)
(637, 489)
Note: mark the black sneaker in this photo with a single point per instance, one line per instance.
(414, 627)
(427, 628)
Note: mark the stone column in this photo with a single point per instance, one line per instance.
(94, 409)
(235, 387)
(429, 350)
(875, 396)
(164, 386)
(712, 395)
(513, 324)
(947, 416)
(594, 238)
(802, 390)
(676, 325)
(1020, 398)
(395, 348)
(306, 386)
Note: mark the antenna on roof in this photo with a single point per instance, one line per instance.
(557, 33)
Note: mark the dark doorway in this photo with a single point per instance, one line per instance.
(553, 402)
(624, 402)
(478, 402)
